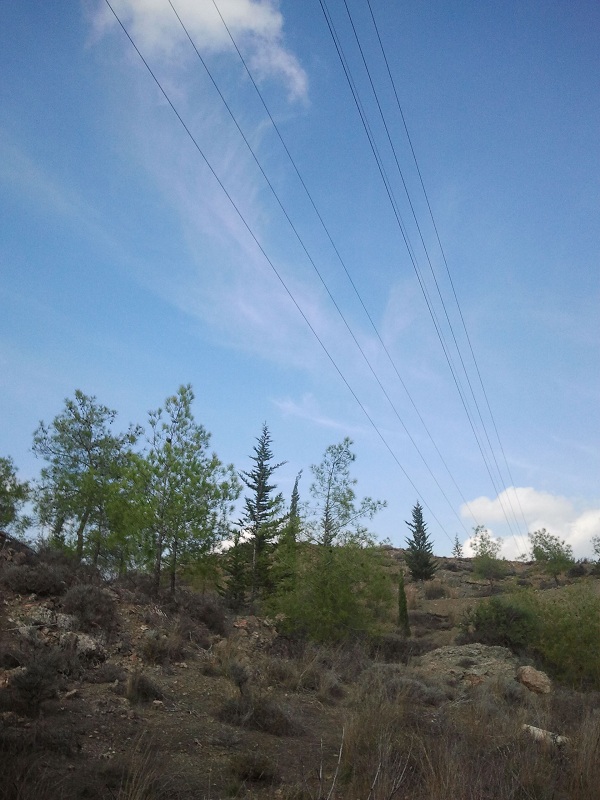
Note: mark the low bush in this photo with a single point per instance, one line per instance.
(500, 622)
(141, 689)
(43, 580)
(434, 590)
(254, 767)
(163, 649)
(261, 712)
(569, 631)
(93, 608)
(207, 609)
(30, 687)
(578, 570)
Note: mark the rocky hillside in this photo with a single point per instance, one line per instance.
(106, 692)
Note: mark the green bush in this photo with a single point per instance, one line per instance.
(93, 607)
(501, 622)
(340, 593)
(568, 637)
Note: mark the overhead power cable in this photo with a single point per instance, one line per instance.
(339, 256)
(443, 253)
(356, 96)
(317, 271)
(410, 251)
(271, 264)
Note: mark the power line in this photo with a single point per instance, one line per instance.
(312, 262)
(392, 200)
(272, 265)
(442, 251)
(356, 96)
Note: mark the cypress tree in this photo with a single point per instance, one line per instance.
(403, 622)
(419, 555)
(262, 518)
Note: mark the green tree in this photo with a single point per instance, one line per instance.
(341, 588)
(403, 621)
(486, 563)
(235, 564)
(457, 549)
(596, 547)
(286, 554)
(84, 458)
(554, 555)
(13, 496)
(263, 509)
(187, 493)
(419, 553)
(337, 515)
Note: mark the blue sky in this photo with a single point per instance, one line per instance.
(126, 271)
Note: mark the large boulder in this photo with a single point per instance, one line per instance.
(534, 680)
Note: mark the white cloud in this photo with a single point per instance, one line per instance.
(309, 409)
(559, 515)
(256, 26)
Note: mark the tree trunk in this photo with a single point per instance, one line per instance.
(80, 531)
(174, 565)
(158, 562)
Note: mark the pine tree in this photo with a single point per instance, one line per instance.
(262, 518)
(403, 622)
(285, 566)
(457, 550)
(236, 569)
(419, 555)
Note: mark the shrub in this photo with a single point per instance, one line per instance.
(260, 712)
(35, 684)
(141, 689)
(207, 609)
(254, 767)
(500, 622)
(43, 580)
(160, 649)
(105, 673)
(93, 607)
(434, 590)
(578, 570)
(569, 632)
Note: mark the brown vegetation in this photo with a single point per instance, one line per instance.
(192, 703)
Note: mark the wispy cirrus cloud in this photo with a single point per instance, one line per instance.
(256, 25)
(309, 409)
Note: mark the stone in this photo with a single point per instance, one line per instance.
(534, 680)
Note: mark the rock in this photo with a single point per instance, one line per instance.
(547, 737)
(470, 664)
(84, 645)
(534, 680)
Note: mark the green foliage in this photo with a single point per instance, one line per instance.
(403, 622)
(263, 514)
(419, 553)
(503, 622)
(13, 496)
(559, 628)
(337, 515)
(554, 555)
(486, 563)
(84, 458)
(236, 567)
(284, 567)
(569, 632)
(185, 494)
(341, 592)
(596, 547)
(457, 549)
